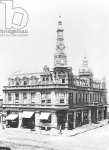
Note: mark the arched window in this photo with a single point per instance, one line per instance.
(33, 80)
(25, 81)
(17, 81)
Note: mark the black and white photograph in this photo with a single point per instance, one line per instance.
(54, 75)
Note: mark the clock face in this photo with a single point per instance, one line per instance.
(61, 46)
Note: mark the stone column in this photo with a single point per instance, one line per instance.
(74, 119)
(54, 120)
(53, 98)
(38, 98)
(66, 124)
(37, 120)
(29, 101)
(66, 98)
(82, 117)
(89, 117)
(21, 98)
(13, 98)
(5, 101)
(20, 120)
(102, 113)
(97, 115)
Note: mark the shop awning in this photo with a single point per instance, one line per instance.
(44, 116)
(27, 114)
(12, 117)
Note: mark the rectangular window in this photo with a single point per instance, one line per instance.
(9, 96)
(63, 80)
(32, 95)
(43, 101)
(49, 101)
(71, 99)
(86, 97)
(83, 98)
(24, 95)
(61, 100)
(76, 97)
(16, 96)
(90, 97)
(79, 98)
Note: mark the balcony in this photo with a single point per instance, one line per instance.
(36, 106)
(32, 87)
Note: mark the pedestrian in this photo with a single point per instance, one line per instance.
(60, 129)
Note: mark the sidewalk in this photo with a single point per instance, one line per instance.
(55, 132)
(73, 132)
(84, 128)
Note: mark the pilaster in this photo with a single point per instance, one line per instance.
(53, 120)
(74, 121)
(89, 117)
(82, 117)
(37, 120)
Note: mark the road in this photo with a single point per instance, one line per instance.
(23, 139)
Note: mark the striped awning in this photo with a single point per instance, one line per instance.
(44, 116)
(12, 117)
(27, 114)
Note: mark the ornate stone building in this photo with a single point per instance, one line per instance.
(51, 99)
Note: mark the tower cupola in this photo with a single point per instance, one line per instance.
(85, 71)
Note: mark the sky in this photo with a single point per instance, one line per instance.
(86, 32)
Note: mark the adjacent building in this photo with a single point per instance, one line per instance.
(55, 98)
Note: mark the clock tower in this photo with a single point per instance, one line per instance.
(60, 58)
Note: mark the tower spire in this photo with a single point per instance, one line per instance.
(60, 58)
(60, 37)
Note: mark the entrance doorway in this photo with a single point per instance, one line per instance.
(61, 119)
(70, 120)
(94, 115)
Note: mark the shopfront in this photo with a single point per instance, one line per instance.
(85, 117)
(78, 119)
(12, 120)
(28, 119)
(70, 120)
(61, 119)
(45, 120)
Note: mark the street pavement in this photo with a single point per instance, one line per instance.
(24, 139)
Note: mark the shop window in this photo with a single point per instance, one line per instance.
(61, 100)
